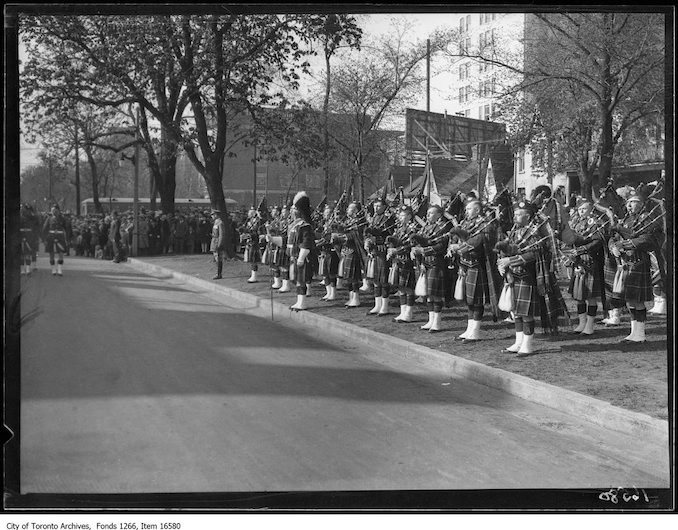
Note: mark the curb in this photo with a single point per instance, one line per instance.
(585, 407)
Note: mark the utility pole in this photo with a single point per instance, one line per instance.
(135, 232)
(77, 171)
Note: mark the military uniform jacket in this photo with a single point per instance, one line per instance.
(435, 238)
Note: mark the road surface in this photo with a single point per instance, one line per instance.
(133, 383)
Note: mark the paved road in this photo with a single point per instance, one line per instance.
(132, 383)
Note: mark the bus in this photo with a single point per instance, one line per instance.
(123, 204)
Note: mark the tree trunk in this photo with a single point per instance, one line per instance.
(95, 180)
(606, 135)
(213, 180)
(168, 168)
(326, 132)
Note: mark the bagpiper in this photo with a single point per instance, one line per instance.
(351, 262)
(380, 226)
(586, 261)
(401, 271)
(523, 263)
(30, 238)
(329, 246)
(252, 233)
(635, 236)
(302, 249)
(54, 230)
(430, 247)
(473, 241)
(274, 245)
(281, 257)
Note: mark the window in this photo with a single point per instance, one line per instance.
(520, 156)
(488, 112)
(462, 70)
(464, 45)
(468, 22)
(462, 25)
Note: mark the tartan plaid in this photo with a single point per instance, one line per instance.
(281, 258)
(253, 253)
(55, 243)
(407, 277)
(477, 286)
(638, 284)
(525, 298)
(435, 282)
(593, 283)
(380, 270)
(609, 273)
(328, 264)
(351, 265)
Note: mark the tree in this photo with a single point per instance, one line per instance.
(366, 88)
(607, 70)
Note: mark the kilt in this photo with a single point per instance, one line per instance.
(477, 286)
(407, 277)
(435, 282)
(609, 273)
(281, 258)
(525, 297)
(638, 282)
(252, 253)
(349, 266)
(302, 275)
(56, 242)
(380, 273)
(586, 284)
(328, 264)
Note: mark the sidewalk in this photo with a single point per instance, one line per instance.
(585, 407)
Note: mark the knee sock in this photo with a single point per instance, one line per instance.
(437, 307)
(429, 306)
(591, 310)
(639, 315)
(403, 299)
(478, 312)
(518, 323)
(528, 327)
(410, 299)
(581, 308)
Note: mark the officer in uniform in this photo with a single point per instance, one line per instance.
(54, 230)
(218, 243)
(380, 226)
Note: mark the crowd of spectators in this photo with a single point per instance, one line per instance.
(109, 236)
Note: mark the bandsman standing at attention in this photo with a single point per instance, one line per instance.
(30, 238)
(431, 246)
(472, 241)
(636, 235)
(351, 262)
(330, 247)
(302, 249)
(54, 230)
(401, 271)
(273, 245)
(252, 232)
(380, 225)
(218, 243)
(519, 255)
(586, 263)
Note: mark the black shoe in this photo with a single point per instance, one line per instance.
(217, 277)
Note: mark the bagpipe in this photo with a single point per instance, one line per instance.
(486, 222)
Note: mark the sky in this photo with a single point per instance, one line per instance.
(422, 24)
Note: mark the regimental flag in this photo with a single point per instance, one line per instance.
(263, 209)
(490, 188)
(429, 187)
